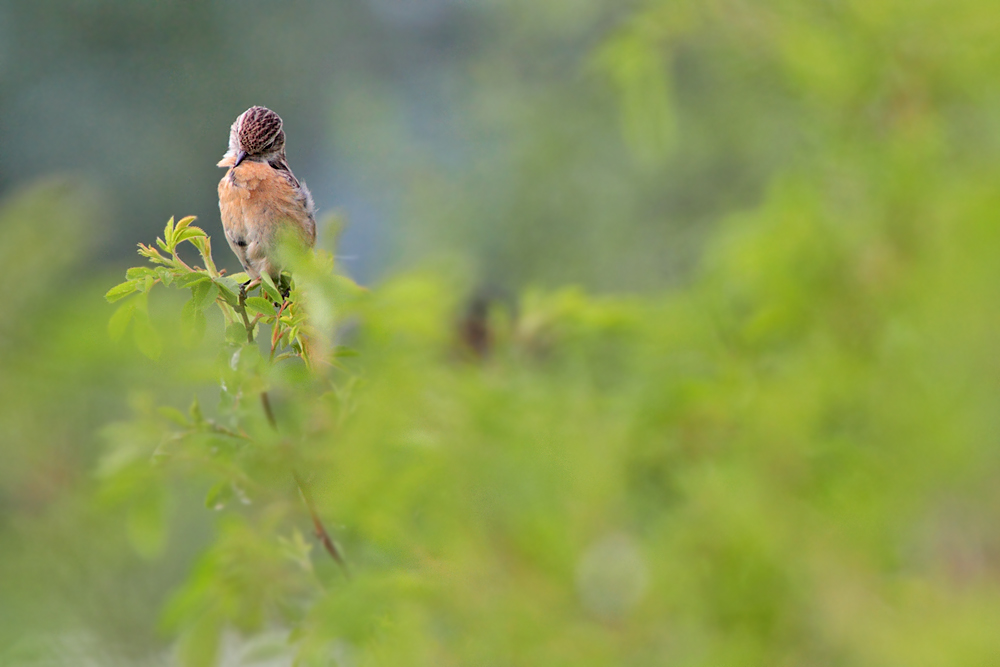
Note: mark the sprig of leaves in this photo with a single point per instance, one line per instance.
(207, 286)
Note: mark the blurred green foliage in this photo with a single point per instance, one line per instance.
(789, 460)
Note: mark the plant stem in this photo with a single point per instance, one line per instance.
(265, 401)
(321, 532)
(182, 262)
(242, 310)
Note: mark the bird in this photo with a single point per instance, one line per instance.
(260, 200)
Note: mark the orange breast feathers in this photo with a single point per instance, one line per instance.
(256, 202)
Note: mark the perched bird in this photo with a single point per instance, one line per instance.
(259, 197)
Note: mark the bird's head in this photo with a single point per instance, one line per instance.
(257, 135)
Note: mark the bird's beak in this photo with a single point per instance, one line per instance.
(242, 155)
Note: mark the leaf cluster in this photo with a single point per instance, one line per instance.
(207, 286)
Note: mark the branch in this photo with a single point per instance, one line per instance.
(321, 532)
(276, 333)
(265, 401)
(242, 310)
(182, 262)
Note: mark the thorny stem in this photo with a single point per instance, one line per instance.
(321, 533)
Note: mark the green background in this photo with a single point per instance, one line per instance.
(741, 402)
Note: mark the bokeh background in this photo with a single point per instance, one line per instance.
(738, 262)
(431, 127)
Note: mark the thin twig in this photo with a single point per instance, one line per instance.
(182, 262)
(242, 310)
(321, 533)
(276, 333)
(265, 401)
(222, 430)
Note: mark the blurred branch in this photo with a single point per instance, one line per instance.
(321, 532)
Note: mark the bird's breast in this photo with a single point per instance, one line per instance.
(255, 199)
(249, 195)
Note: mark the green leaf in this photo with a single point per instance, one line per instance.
(146, 337)
(121, 291)
(189, 279)
(199, 643)
(194, 322)
(165, 275)
(345, 287)
(137, 272)
(236, 333)
(195, 411)
(269, 648)
(173, 414)
(219, 495)
(189, 233)
(184, 222)
(203, 294)
(258, 304)
(269, 288)
(152, 254)
(228, 291)
(297, 549)
(120, 320)
(201, 243)
(168, 233)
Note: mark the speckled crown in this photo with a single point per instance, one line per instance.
(260, 131)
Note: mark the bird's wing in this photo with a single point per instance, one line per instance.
(301, 199)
